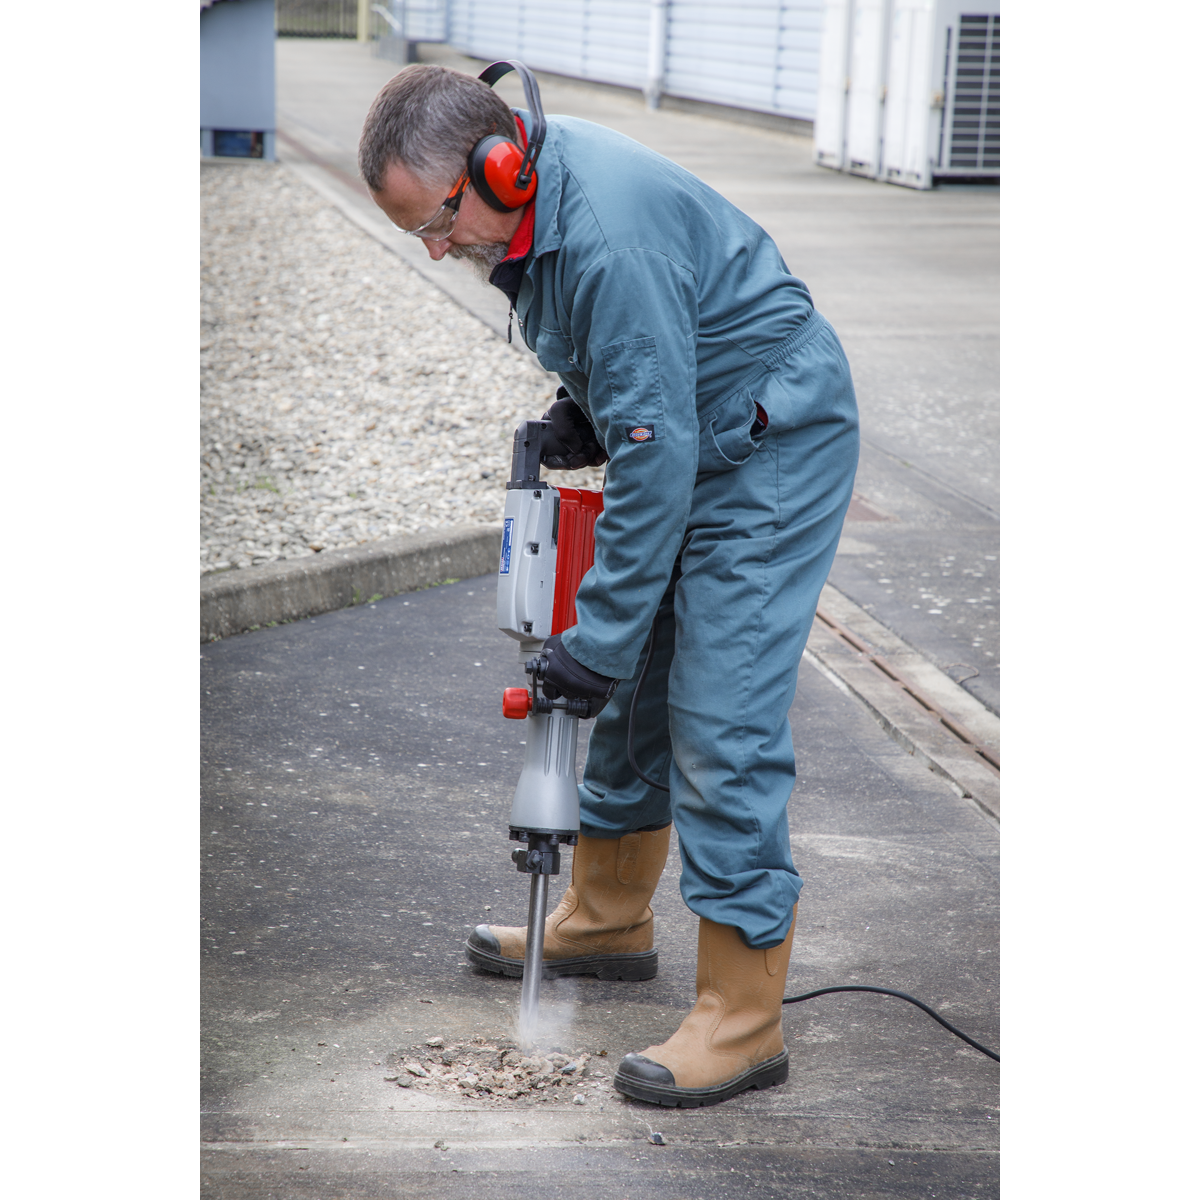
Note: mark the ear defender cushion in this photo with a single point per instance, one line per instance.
(493, 167)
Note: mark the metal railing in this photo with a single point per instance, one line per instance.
(387, 33)
(397, 26)
(316, 18)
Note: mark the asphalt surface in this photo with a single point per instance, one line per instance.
(356, 781)
(910, 281)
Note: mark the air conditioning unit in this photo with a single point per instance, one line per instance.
(924, 107)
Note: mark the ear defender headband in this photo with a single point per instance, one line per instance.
(500, 172)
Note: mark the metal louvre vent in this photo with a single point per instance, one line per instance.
(975, 111)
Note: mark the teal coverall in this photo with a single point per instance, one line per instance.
(669, 316)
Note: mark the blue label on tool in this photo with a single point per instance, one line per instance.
(506, 545)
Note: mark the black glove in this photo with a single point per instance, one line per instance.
(570, 442)
(566, 677)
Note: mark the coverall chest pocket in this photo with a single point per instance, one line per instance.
(725, 438)
(555, 352)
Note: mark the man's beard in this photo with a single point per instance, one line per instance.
(482, 258)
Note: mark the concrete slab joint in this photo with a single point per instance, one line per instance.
(236, 601)
(918, 705)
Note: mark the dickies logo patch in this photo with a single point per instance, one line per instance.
(640, 433)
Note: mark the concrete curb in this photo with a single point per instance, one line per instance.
(237, 601)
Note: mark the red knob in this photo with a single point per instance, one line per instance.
(518, 704)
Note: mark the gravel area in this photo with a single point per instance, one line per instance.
(343, 397)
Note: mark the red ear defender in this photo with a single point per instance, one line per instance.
(500, 171)
(493, 167)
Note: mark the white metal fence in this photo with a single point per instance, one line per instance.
(760, 54)
(604, 40)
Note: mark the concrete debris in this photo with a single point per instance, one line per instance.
(485, 1071)
(343, 398)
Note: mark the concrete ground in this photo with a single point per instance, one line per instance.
(332, 786)
(909, 280)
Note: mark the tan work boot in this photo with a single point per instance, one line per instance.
(603, 925)
(732, 1040)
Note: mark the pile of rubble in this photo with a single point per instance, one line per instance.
(483, 1070)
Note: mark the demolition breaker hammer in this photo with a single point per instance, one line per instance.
(548, 546)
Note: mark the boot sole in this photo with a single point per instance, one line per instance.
(766, 1074)
(630, 967)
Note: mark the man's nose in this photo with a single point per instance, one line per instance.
(437, 250)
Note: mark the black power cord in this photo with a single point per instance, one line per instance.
(847, 987)
(862, 987)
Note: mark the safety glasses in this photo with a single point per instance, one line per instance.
(438, 227)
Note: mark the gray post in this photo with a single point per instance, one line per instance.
(656, 66)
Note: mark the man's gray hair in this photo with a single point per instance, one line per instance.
(428, 118)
